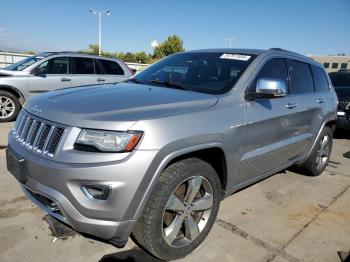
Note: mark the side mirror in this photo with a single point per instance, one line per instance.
(37, 72)
(269, 88)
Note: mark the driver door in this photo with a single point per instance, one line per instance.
(271, 124)
(50, 75)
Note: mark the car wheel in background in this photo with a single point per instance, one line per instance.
(9, 106)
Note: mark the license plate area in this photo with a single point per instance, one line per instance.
(16, 165)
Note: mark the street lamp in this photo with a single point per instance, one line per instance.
(230, 40)
(107, 12)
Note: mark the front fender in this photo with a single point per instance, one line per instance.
(162, 159)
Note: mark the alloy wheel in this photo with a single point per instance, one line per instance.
(323, 152)
(7, 107)
(187, 211)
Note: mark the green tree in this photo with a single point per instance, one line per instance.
(93, 49)
(142, 57)
(171, 45)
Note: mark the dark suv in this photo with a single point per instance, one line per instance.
(341, 83)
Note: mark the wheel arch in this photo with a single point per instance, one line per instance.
(329, 122)
(14, 91)
(202, 151)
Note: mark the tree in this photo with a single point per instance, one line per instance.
(93, 49)
(142, 57)
(171, 45)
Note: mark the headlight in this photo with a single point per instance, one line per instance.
(107, 141)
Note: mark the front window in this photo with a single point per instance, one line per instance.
(211, 73)
(23, 64)
(57, 65)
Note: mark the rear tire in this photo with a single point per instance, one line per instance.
(173, 223)
(9, 106)
(319, 157)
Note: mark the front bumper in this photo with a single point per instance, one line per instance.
(56, 188)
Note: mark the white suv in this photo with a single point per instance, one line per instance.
(50, 71)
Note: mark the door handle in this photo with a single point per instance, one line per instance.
(320, 100)
(65, 79)
(290, 105)
(100, 80)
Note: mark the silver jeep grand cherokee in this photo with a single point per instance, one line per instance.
(154, 156)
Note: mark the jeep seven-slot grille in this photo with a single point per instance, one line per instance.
(344, 105)
(38, 135)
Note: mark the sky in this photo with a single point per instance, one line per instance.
(306, 26)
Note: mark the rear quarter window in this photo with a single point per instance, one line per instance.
(111, 67)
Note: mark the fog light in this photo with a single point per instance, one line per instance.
(97, 192)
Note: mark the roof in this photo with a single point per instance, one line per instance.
(72, 53)
(249, 51)
(230, 50)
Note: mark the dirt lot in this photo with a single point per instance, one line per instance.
(287, 217)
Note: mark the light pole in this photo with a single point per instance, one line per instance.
(230, 40)
(99, 14)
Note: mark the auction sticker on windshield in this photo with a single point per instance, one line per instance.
(235, 57)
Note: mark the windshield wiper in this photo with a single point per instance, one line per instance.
(169, 84)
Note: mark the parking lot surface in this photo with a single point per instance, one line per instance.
(287, 217)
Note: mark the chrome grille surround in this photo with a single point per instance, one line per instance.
(38, 135)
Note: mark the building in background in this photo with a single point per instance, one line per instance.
(333, 63)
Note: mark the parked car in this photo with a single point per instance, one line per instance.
(154, 156)
(341, 83)
(51, 71)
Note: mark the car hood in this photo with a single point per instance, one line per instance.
(4, 72)
(115, 106)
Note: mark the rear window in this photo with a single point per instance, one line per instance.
(340, 79)
(111, 67)
(82, 65)
(321, 82)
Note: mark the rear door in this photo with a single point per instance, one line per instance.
(312, 105)
(112, 72)
(51, 74)
(270, 127)
(83, 72)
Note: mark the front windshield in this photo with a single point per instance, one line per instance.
(211, 73)
(21, 65)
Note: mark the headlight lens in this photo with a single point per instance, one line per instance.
(109, 141)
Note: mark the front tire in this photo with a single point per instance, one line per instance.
(180, 211)
(319, 157)
(9, 106)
